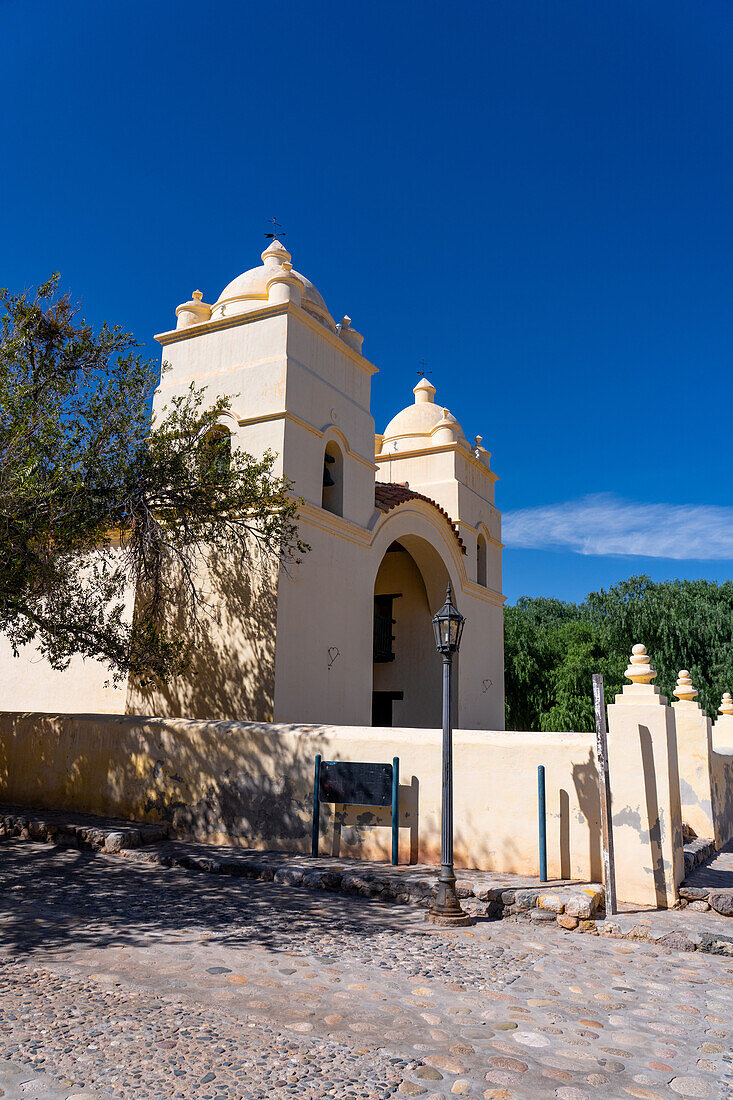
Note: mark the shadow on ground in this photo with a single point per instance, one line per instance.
(53, 899)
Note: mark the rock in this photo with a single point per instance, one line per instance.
(676, 940)
(428, 1073)
(476, 908)
(288, 876)
(541, 915)
(568, 922)
(461, 1087)
(526, 899)
(552, 902)
(409, 1088)
(114, 842)
(579, 904)
(464, 889)
(508, 896)
(587, 926)
(330, 880)
(722, 902)
(699, 906)
(693, 893)
(490, 893)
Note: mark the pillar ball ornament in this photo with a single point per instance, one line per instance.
(448, 626)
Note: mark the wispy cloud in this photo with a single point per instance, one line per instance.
(605, 524)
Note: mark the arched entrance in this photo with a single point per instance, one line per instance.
(409, 588)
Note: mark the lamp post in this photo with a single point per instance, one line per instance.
(446, 909)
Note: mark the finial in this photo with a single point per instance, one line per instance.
(685, 691)
(277, 230)
(478, 441)
(726, 705)
(424, 391)
(197, 295)
(639, 670)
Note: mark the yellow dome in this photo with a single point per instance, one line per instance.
(423, 424)
(248, 291)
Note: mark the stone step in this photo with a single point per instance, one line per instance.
(709, 882)
(70, 829)
(485, 894)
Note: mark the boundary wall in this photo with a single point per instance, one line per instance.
(251, 784)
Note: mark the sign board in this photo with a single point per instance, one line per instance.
(355, 784)
(352, 783)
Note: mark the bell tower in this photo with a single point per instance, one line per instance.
(298, 382)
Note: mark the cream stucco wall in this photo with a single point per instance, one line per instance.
(28, 681)
(300, 647)
(252, 784)
(645, 796)
(694, 752)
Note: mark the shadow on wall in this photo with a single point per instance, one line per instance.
(652, 814)
(353, 824)
(232, 671)
(585, 780)
(721, 776)
(160, 770)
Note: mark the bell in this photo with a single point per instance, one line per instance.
(327, 479)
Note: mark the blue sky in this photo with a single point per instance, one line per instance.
(533, 196)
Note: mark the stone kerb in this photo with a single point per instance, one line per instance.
(645, 790)
(694, 751)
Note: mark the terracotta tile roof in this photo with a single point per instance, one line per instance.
(390, 494)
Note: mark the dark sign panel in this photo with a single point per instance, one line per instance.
(356, 784)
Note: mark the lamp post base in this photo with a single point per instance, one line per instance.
(446, 909)
(449, 920)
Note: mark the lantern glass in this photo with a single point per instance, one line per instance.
(448, 626)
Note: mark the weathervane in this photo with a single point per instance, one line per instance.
(277, 231)
(422, 373)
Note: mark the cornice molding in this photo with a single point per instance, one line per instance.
(444, 448)
(174, 336)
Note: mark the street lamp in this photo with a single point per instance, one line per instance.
(448, 628)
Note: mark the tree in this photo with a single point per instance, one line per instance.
(97, 501)
(553, 648)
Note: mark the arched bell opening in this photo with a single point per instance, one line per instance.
(481, 560)
(407, 683)
(216, 454)
(333, 479)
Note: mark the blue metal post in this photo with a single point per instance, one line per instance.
(395, 811)
(316, 807)
(543, 821)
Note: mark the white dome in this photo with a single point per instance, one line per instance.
(248, 291)
(423, 424)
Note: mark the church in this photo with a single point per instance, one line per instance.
(344, 637)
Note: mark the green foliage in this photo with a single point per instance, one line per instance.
(553, 648)
(96, 502)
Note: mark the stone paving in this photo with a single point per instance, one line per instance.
(127, 979)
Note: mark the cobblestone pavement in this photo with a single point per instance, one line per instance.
(128, 980)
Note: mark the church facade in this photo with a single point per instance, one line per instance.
(345, 636)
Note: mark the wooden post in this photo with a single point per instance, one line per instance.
(604, 786)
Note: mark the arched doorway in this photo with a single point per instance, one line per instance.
(408, 590)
